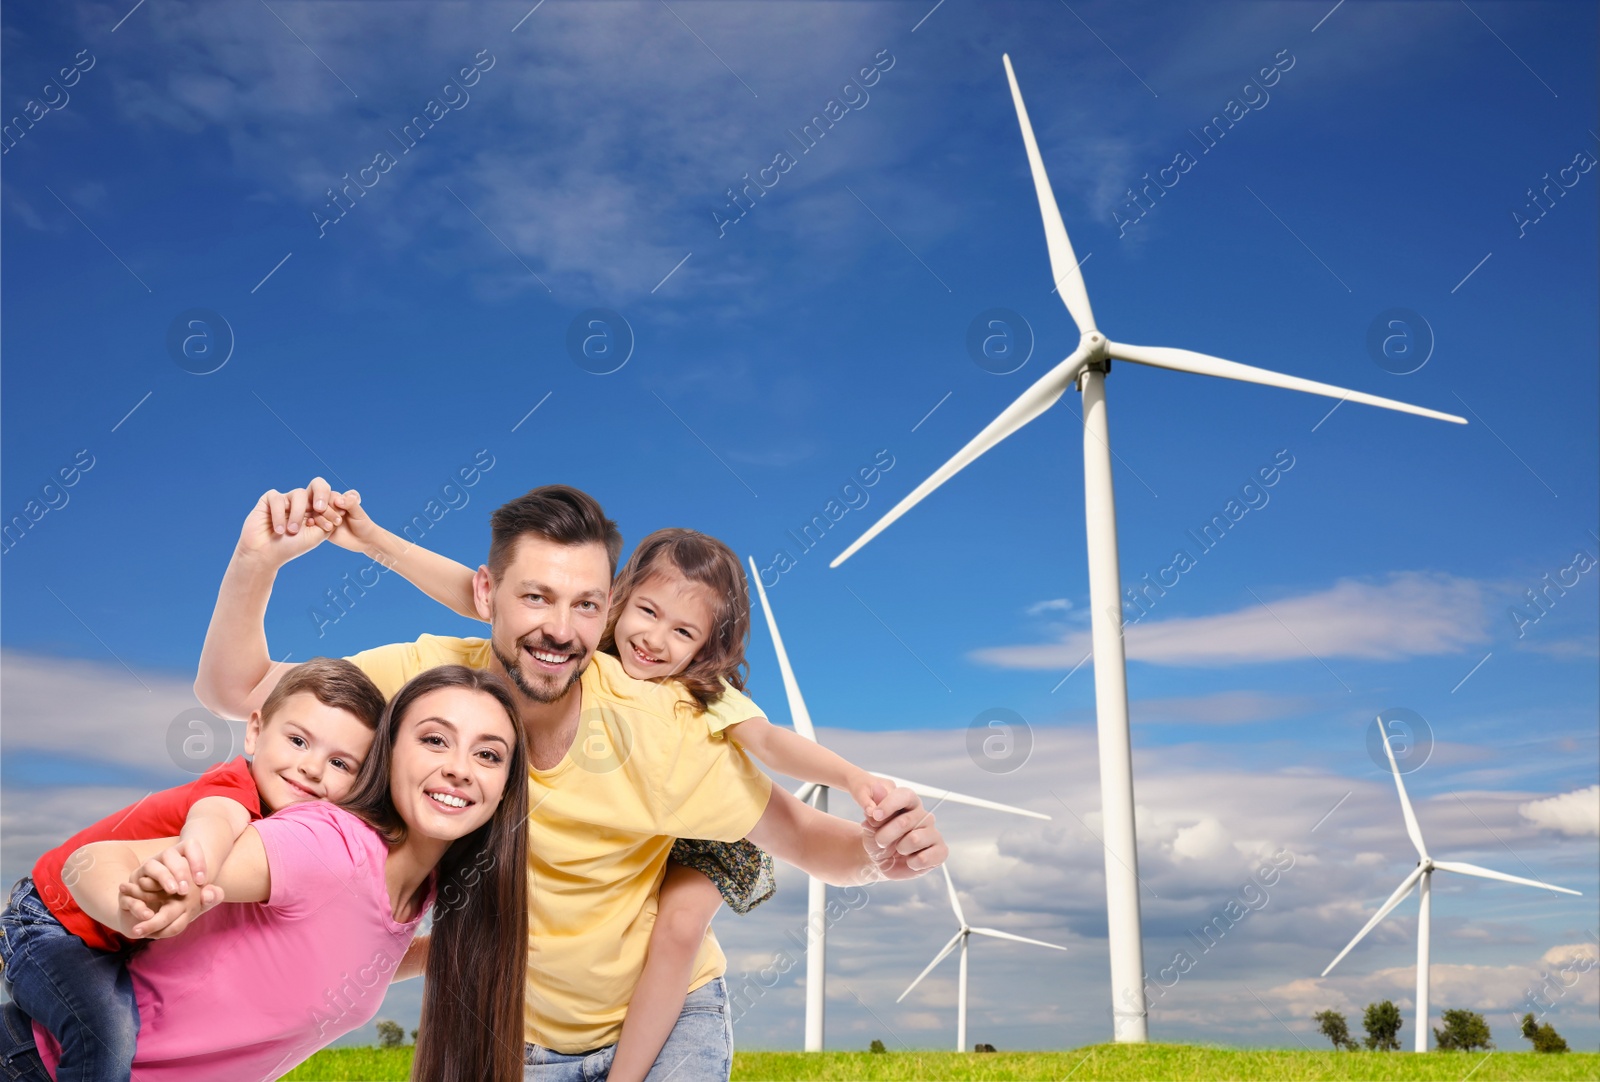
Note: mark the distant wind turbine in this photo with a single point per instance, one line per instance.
(1422, 874)
(960, 939)
(1086, 370)
(817, 796)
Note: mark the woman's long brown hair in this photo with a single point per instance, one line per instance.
(705, 560)
(472, 993)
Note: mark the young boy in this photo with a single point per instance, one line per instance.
(65, 967)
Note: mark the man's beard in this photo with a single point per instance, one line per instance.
(536, 687)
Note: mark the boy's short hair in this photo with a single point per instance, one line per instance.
(335, 682)
(559, 513)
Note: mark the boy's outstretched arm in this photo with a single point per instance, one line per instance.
(102, 877)
(441, 578)
(236, 671)
(790, 753)
(213, 824)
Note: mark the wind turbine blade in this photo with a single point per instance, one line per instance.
(941, 956)
(1405, 801)
(1486, 873)
(998, 934)
(1034, 401)
(791, 687)
(955, 902)
(1063, 261)
(960, 798)
(803, 794)
(1202, 364)
(1394, 899)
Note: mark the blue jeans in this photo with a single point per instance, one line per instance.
(81, 995)
(699, 1048)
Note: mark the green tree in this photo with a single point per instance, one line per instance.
(877, 1046)
(390, 1035)
(1336, 1029)
(1463, 1031)
(1382, 1023)
(1544, 1037)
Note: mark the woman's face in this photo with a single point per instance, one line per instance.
(450, 762)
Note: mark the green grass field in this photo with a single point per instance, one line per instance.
(1156, 1062)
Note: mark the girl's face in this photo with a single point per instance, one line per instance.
(663, 624)
(450, 762)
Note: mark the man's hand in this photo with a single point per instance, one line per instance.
(284, 525)
(899, 833)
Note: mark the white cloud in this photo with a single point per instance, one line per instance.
(1576, 813)
(1409, 614)
(1205, 840)
(1206, 824)
(1059, 604)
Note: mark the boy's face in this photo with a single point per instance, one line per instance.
(307, 750)
(547, 613)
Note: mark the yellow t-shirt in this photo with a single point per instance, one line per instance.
(600, 826)
(730, 708)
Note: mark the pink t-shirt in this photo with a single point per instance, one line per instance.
(253, 989)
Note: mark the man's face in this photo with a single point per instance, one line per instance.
(547, 614)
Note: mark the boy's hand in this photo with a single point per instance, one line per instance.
(144, 914)
(283, 525)
(176, 870)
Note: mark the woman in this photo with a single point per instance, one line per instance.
(437, 817)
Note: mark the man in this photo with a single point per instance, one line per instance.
(615, 775)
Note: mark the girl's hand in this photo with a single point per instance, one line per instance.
(355, 531)
(861, 786)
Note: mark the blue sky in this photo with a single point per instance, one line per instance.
(584, 164)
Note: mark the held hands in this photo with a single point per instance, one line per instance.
(166, 893)
(341, 514)
(284, 525)
(898, 832)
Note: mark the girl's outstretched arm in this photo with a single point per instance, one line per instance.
(790, 753)
(684, 909)
(441, 578)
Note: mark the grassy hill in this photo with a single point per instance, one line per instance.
(1177, 1062)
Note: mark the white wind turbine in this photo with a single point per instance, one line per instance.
(1086, 370)
(960, 938)
(1423, 874)
(817, 796)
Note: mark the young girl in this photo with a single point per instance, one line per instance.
(437, 818)
(680, 611)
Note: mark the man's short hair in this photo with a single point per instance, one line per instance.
(335, 682)
(559, 513)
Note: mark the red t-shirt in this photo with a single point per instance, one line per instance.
(159, 815)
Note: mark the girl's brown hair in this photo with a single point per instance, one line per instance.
(712, 564)
(472, 996)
